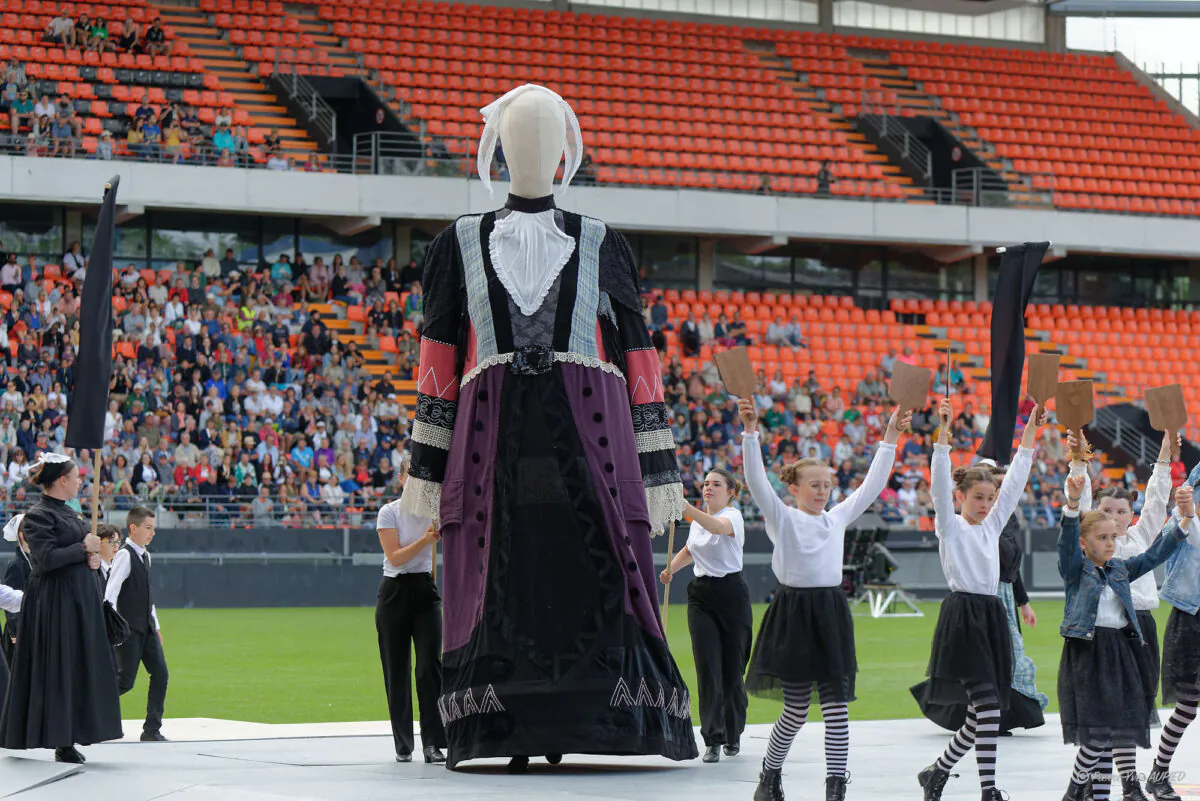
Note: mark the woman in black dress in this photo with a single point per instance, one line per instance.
(63, 688)
(16, 575)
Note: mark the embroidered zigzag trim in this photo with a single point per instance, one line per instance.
(455, 706)
(679, 706)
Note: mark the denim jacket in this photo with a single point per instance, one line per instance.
(1085, 582)
(1182, 586)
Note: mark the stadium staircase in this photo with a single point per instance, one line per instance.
(911, 101)
(876, 164)
(349, 322)
(221, 58)
(336, 55)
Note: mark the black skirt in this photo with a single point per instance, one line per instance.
(1102, 690)
(971, 646)
(1180, 654)
(1149, 662)
(63, 686)
(806, 636)
(1022, 711)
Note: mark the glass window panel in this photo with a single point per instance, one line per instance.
(279, 236)
(815, 273)
(668, 261)
(187, 237)
(317, 240)
(915, 276)
(733, 270)
(130, 245)
(29, 229)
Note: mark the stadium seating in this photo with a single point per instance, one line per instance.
(720, 106)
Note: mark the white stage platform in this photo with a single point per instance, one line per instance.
(211, 760)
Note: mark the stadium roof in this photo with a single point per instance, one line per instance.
(1126, 8)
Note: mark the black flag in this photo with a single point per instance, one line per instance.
(1018, 269)
(89, 400)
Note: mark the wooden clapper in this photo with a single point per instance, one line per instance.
(1168, 412)
(1042, 383)
(736, 372)
(1075, 409)
(910, 386)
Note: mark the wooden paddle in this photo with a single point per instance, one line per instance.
(1168, 412)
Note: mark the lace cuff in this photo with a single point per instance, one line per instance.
(665, 503)
(422, 498)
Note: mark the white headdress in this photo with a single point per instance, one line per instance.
(51, 458)
(573, 138)
(10, 528)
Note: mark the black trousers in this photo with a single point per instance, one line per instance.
(722, 625)
(408, 616)
(144, 648)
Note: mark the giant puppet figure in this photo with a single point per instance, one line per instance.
(542, 447)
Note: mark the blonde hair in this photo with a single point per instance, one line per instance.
(1088, 520)
(790, 474)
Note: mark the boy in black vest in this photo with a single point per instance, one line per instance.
(129, 593)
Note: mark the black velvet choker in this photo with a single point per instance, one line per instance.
(529, 205)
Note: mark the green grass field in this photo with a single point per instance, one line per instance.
(322, 665)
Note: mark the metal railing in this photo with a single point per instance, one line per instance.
(319, 113)
(1126, 436)
(885, 118)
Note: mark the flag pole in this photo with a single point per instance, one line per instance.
(667, 589)
(96, 491)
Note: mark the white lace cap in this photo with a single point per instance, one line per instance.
(10, 528)
(572, 139)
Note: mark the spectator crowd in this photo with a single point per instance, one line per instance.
(231, 400)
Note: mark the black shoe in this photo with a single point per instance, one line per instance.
(1079, 792)
(770, 786)
(404, 757)
(554, 759)
(993, 794)
(1004, 734)
(933, 781)
(712, 754)
(69, 754)
(433, 755)
(732, 749)
(1131, 788)
(153, 737)
(835, 787)
(1158, 784)
(518, 764)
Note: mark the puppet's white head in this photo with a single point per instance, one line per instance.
(538, 130)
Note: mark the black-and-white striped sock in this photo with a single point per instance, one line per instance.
(1125, 761)
(837, 733)
(796, 700)
(1182, 717)
(987, 732)
(1085, 763)
(963, 741)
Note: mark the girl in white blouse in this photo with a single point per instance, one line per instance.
(807, 633)
(408, 617)
(720, 620)
(972, 659)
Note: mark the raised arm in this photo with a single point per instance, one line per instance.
(1176, 532)
(1012, 487)
(876, 479)
(1158, 495)
(769, 503)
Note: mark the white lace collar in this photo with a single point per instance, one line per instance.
(528, 252)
